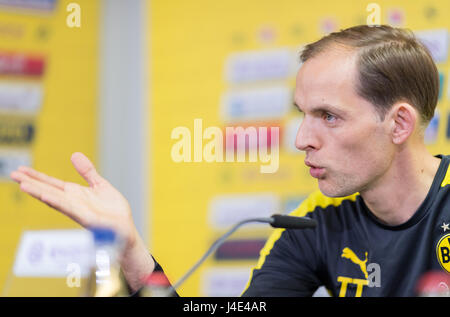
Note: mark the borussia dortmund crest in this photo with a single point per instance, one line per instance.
(443, 252)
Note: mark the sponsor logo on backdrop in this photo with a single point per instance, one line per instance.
(21, 64)
(328, 25)
(219, 282)
(437, 42)
(11, 160)
(225, 211)
(16, 131)
(430, 12)
(262, 103)
(41, 5)
(240, 249)
(396, 17)
(267, 34)
(254, 66)
(20, 97)
(48, 253)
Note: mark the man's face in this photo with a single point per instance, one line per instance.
(348, 147)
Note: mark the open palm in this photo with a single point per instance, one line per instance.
(98, 205)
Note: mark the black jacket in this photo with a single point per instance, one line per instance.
(352, 253)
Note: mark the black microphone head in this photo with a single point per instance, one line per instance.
(292, 222)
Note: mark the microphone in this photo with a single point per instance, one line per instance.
(291, 222)
(276, 221)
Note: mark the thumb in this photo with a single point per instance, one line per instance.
(86, 169)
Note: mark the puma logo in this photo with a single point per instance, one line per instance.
(347, 253)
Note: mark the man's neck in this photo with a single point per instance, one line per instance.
(399, 193)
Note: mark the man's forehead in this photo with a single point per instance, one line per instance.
(326, 79)
(328, 66)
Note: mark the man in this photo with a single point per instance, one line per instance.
(367, 95)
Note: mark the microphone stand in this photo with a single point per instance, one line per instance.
(276, 221)
(214, 247)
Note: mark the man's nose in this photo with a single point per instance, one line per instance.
(306, 139)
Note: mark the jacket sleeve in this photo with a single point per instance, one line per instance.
(157, 268)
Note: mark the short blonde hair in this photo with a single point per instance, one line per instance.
(392, 66)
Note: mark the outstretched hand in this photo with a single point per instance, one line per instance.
(96, 205)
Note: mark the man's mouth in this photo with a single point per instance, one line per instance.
(315, 170)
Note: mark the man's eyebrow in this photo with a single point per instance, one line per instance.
(322, 108)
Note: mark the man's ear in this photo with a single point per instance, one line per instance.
(403, 119)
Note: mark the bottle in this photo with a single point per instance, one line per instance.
(105, 279)
(156, 285)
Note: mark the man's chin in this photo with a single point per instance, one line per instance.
(333, 191)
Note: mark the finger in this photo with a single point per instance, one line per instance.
(16, 176)
(49, 195)
(42, 177)
(36, 188)
(86, 169)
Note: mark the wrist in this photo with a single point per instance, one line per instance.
(136, 262)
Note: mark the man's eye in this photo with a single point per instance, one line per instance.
(329, 117)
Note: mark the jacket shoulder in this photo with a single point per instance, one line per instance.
(317, 200)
